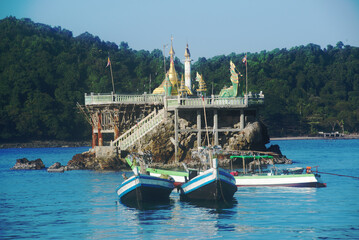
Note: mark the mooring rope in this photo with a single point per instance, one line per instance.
(340, 175)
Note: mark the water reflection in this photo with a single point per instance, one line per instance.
(150, 219)
(217, 206)
(166, 204)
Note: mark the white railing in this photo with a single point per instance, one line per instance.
(91, 99)
(208, 102)
(173, 102)
(131, 136)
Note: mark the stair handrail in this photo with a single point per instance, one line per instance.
(132, 133)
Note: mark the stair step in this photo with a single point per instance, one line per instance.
(131, 136)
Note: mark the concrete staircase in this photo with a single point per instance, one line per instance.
(131, 136)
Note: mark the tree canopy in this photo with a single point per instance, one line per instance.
(44, 71)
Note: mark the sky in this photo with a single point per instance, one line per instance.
(209, 27)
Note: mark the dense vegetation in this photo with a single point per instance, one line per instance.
(307, 89)
(44, 71)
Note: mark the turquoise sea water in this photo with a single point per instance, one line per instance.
(83, 204)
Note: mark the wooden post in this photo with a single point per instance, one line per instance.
(242, 119)
(199, 128)
(94, 137)
(100, 139)
(165, 106)
(116, 128)
(176, 134)
(215, 126)
(244, 166)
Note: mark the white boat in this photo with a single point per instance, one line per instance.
(295, 177)
(285, 180)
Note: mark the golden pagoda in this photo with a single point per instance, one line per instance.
(173, 79)
(182, 90)
(202, 88)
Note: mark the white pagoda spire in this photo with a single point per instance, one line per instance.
(187, 68)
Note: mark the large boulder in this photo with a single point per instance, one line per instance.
(24, 163)
(253, 137)
(88, 160)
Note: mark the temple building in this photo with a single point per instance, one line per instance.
(171, 85)
(124, 119)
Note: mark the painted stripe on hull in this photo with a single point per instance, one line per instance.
(209, 186)
(311, 184)
(144, 188)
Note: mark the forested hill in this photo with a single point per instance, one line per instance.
(307, 89)
(44, 71)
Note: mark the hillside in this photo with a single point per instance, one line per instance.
(44, 71)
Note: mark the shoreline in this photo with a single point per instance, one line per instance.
(45, 144)
(345, 137)
(64, 144)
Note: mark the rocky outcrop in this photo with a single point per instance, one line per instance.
(24, 163)
(253, 137)
(88, 160)
(251, 140)
(159, 143)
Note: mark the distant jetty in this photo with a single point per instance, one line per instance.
(323, 136)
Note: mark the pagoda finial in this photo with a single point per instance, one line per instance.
(172, 52)
(187, 54)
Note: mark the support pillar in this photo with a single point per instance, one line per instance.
(116, 132)
(94, 137)
(199, 128)
(242, 119)
(116, 129)
(176, 134)
(100, 139)
(215, 127)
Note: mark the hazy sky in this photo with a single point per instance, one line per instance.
(210, 27)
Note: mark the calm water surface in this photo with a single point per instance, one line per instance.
(83, 204)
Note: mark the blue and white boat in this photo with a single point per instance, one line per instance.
(214, 184)
(142, 188)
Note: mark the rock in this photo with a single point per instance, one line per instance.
(88, 160)
(253, 137)
(56, 167)
(275, 148)
(24, 163)
(77, 162)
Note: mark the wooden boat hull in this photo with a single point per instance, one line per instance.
(144, 188)
(211, 185)
(290, 180)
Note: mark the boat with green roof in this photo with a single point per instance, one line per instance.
(275, 177)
